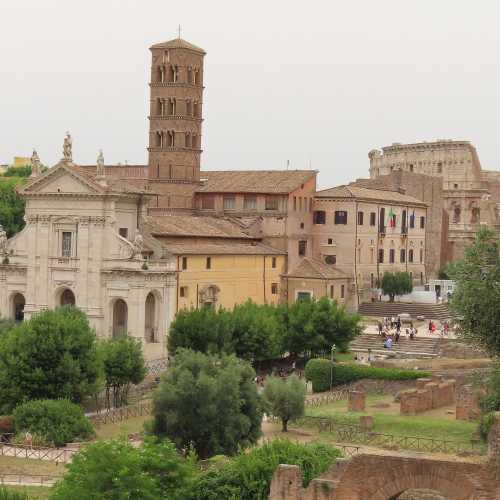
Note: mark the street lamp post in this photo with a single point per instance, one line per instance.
(332, 352)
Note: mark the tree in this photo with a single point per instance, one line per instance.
(114, 470)
(333, 325)
(53, 355)
(476, 299)
(313, 326)
(11, 206)
(398, 283)
(123, 362)
(285, 398)
(447, 272)
(209, 402)
(299, 336)
(205, 330)
(23, 171)
(5, 325)
(256, 331)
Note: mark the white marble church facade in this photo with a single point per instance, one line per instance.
(82, 245)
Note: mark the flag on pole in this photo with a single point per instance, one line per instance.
(392, 218)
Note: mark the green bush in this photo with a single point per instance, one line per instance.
(248, 476)
(116, 470)
(60, 421)
(318, 372)
(6, 494)
(485, 424)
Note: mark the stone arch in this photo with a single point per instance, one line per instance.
(119, 310)
(17, 304)
(423, 494)
(65, 297)
(151, 317)
(450, 489)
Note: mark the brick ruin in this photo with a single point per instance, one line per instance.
(391, 476)
(467, 403)
(430, 393)
(356, 401)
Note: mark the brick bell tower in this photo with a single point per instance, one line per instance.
(176, 98)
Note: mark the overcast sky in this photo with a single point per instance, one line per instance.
(319, 83)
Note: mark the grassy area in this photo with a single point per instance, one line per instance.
(13, 465)
(344, 357)
(129, 426)
(400, 425)
(34, 492)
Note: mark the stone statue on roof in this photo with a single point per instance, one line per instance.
(138, 246)
(68, 148)
(100, 165)
(36, 166)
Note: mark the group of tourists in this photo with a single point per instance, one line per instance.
(390, 330)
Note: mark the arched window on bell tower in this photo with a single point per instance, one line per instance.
(189, 74)
(159, 139)
(196, 74)
(188, 140)
(170, 139)
(189, 107)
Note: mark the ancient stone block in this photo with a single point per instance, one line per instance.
(356, 401)
(422, 382)
(467, 404)
(366, 422)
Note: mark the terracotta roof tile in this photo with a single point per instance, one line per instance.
(177, 43)
(254, 181)
(311, 268)
(362, 193)
(221, 248)
(194, 226)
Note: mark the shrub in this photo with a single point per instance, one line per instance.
(485, 424)
(318, 372)
(59, 420)
(248, 476)
(6, 494)
(116, 470)
(6, 424)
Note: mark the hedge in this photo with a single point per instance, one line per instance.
(59, 421)
(318, 372)
(248, 476)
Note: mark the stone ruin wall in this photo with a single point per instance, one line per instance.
(468, 403)
(430, 393)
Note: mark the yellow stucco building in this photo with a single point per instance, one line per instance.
(217, 263)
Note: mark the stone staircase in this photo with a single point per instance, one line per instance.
(419, 347)
(438, 312)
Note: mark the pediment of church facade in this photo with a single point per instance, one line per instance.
(61, 179)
